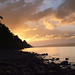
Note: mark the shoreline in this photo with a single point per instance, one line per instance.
(25, 63)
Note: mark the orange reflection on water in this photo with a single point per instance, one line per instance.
(40, 50)
(56, 52)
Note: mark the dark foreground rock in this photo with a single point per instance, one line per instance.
(10, 41)
(25, 63)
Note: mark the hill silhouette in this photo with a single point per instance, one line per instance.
(59, 45)
(10, 41)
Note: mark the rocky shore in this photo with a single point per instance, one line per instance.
(14, 62)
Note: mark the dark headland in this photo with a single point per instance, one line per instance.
(15, 62)
(59, 45)
(10, 41)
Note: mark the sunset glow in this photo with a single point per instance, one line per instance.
(40, 21)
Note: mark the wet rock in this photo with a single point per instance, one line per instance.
(57, 59)
(64, 63)
(73, 64)
(66, 58)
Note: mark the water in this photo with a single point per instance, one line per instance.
(56, 52)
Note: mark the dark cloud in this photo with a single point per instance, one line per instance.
(66, 11)
(17, 12)
(2, 1)
(41, 14)
(66, 8)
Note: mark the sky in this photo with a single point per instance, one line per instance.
(40, 22)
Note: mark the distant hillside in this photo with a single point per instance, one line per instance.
(59, 45)
(10, 41)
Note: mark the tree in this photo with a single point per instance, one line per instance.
(10, 41)
(1, 18)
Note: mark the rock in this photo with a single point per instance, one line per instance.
(64, 63)
(73, 64)
(57, 58)
(66, 58)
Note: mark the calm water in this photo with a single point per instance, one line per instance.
(56, 52)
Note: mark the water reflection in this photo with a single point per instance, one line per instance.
(56, 52)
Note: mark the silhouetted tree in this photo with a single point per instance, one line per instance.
(1, 18)
(9, 41)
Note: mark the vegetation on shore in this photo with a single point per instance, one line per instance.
(10, 41)
(59, 45)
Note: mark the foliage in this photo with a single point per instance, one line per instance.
(9, 41)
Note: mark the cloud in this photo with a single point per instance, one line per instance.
(30, 29)
(66, 8)
(21, 11)
(2, 1)
(66, 12)
(38, 38)
(15, 12)
(47, 35)
(42, 24)
(48, 25)
(63, 15)
(41, 14)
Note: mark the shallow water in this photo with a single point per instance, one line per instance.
(55, 52)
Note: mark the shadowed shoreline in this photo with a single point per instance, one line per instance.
(15, 62)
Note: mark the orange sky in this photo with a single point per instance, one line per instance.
(40, 21)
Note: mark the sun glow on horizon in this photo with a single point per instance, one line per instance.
(40, 20)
